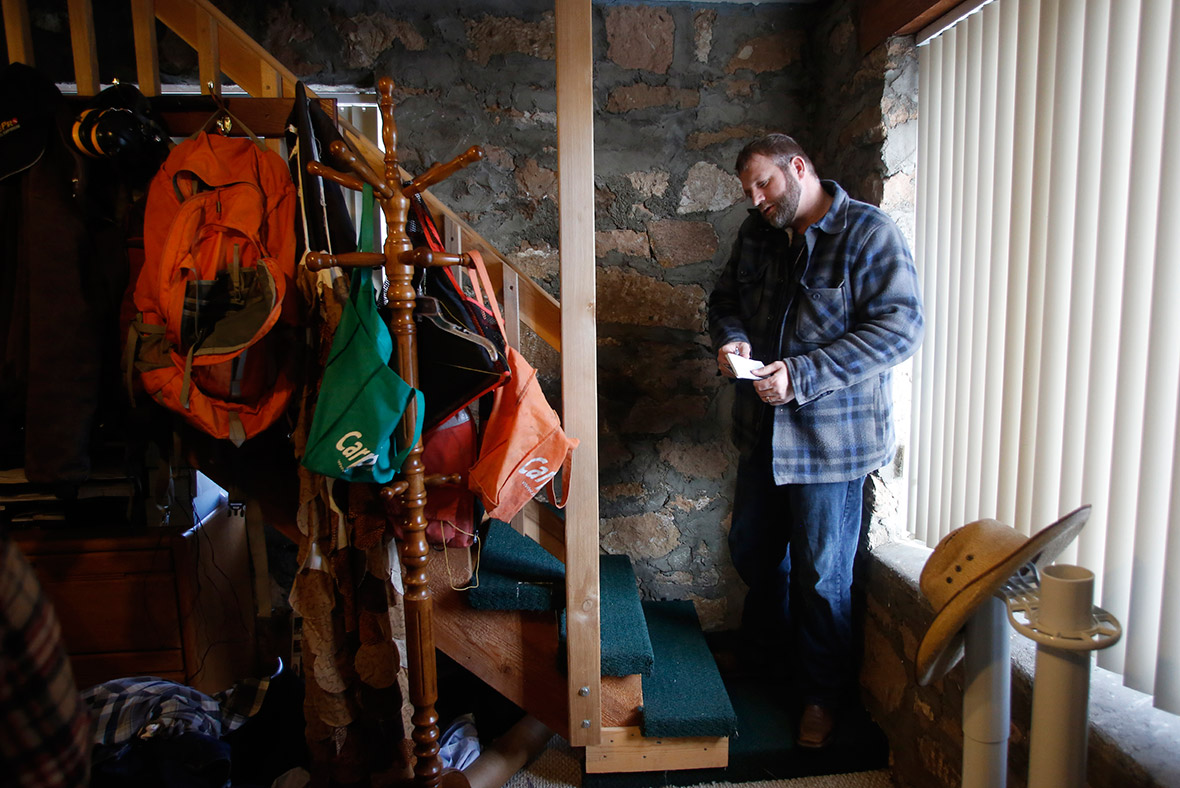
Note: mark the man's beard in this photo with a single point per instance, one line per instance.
(785, 206)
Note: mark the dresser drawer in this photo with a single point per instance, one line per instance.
(163, 602)
(91, 669)
(127, 613)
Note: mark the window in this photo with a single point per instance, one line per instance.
(1048, 240)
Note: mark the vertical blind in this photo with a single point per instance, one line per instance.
(1048, 242)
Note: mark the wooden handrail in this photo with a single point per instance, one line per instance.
(240, 57)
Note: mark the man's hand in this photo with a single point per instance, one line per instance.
(738, 349)
(775, 386)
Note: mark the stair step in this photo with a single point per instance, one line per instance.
(515, 653)
(510, 553)
(516, 573)
(501, 592)
(684, 694)
(626, 645)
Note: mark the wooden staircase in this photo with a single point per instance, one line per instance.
(513, 652)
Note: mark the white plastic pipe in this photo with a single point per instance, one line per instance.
(1061, 691)
(986, 707)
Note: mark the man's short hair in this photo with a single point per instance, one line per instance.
(779, 148)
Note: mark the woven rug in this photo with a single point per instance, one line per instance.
(560, 766)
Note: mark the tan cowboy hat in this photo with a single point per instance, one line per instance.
(969, 565)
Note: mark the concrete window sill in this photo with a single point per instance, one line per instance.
(1132, 744)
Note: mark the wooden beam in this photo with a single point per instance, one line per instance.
(17, 32)
(208, 54)
(272, 86)
(266, 117)
(624, 749)
(880, 19)
(272, 80)
(147, 62)
(83, 43)
(579, 360)
(540, 524)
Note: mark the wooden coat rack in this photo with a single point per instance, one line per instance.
(399, 260)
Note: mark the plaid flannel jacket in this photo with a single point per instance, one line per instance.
(145, 706)
(44, 730)
(841, 308)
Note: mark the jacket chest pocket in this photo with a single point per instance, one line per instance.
(822, 313)
(751, 280)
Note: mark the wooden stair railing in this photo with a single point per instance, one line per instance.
(223, 48)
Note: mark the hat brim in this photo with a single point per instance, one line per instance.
(942, 645)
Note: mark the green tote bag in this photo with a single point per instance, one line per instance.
(362, 401)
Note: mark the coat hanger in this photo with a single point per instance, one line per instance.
(223, 120)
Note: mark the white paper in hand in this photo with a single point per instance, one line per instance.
(742, 366)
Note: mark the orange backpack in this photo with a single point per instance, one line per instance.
(217, 281)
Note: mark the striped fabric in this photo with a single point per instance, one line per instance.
(144, 706)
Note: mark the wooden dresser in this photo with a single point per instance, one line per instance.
(163, 602)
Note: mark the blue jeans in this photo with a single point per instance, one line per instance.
(794, 546)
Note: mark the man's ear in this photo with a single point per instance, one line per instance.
(798, 167)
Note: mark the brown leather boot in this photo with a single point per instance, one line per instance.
(815, 726)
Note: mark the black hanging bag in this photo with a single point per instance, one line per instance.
(460, 346)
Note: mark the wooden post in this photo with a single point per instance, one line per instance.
(85, 49)
(208, 54)
(575, 169)
(17, 33)
(414, 551)
(147, 64)
(272, 86)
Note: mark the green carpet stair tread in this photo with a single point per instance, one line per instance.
(510, 553)
(684, 694)
(626, 646)
(501, 592)
(764, 747)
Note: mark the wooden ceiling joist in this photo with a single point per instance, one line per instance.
(880, 19)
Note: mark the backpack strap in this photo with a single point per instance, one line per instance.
(129, 362)
(188, 376)
(131, 351)
(429, 228)
(488, 291)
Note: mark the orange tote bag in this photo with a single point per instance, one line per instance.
(523, 445)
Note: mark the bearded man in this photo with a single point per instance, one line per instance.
(821, 292)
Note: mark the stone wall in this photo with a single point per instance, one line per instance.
(869, 107)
